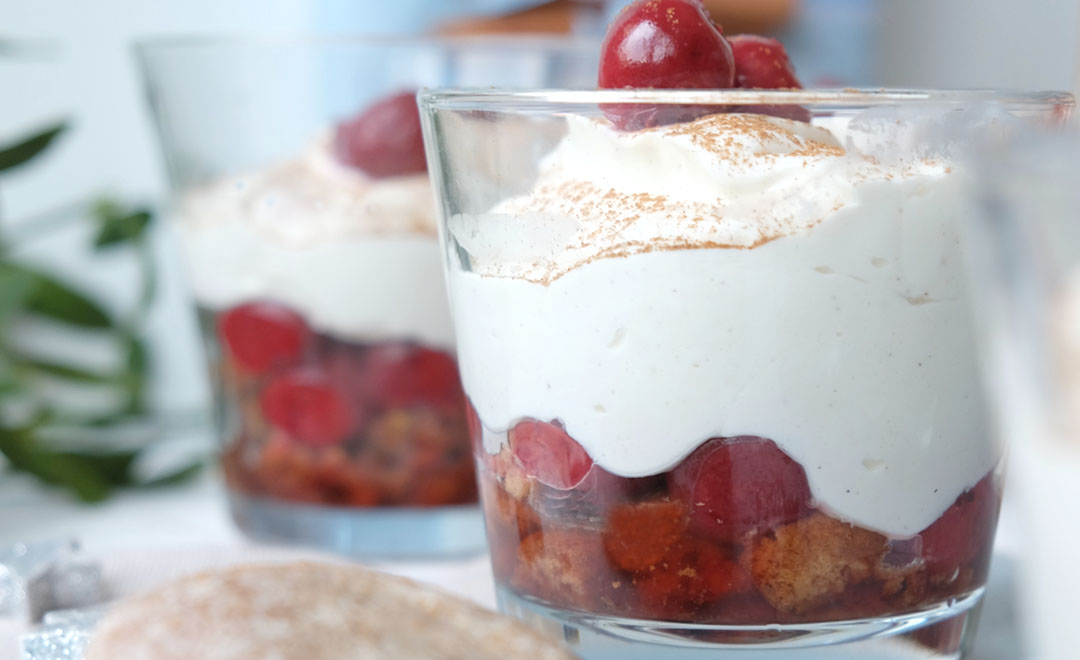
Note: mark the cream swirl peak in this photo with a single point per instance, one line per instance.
(725, 180)
(313, 199)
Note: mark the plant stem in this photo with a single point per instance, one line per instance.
(148, 281)
(42, 223)
(3, 229)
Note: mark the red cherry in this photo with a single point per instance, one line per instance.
(304, 403)
(548, 454)
(762, 63)
(963, 530)
(262, 335)
(397, 375)
(667, 44)
(385, 139)
(737, 485)
(344, 364)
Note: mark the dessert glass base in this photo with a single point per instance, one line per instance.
(356, 449)
(615, 562)
(944, 632)
(372, 533)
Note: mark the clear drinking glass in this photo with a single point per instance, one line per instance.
(1025, 261)
(718, 356)
(306, 218)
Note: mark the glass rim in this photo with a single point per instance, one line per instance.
(450, 98)
(178, 43)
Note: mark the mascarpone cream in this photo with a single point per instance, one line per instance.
(357, 257)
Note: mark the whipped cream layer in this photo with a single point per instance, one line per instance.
(771, 284)
(357, 257)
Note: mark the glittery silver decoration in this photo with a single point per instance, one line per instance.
(39, 577)
(12, 590)
(63, 635)
(55, 644)
(21, 567)
(75, 584)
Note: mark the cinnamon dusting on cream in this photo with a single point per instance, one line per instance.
(723, 181)
(313, 199)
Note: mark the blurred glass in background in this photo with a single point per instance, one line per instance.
(295, 224)
(1026, 272)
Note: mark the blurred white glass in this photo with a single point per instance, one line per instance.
(1026, 270)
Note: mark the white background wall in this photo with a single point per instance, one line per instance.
(1026, 44)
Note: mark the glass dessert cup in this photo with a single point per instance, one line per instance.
(721, 383)
(305, 216)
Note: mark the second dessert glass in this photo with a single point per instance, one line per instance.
(305, 215)
(720, 370)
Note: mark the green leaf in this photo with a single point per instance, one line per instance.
(90, 474)
(117, 226)
(148, 290)
(68, 372)
(21, 152)
(9, 382)
(114, 467)
(138, 359)
(14, 289)
(70, 472)
(95, 421)
(138, 365)
(51, 298)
